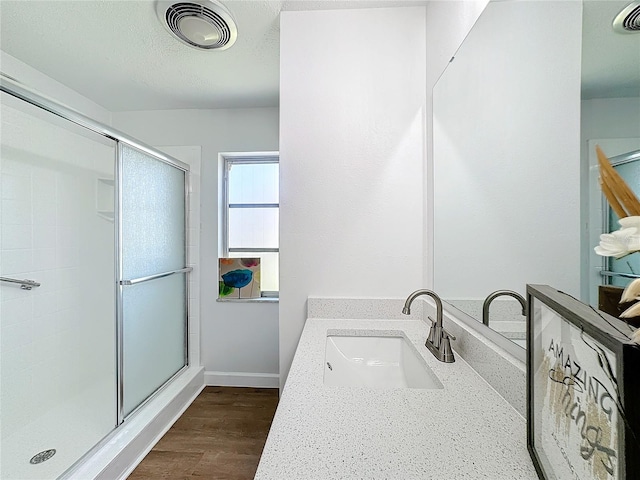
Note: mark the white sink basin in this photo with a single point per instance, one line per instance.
(376, 362)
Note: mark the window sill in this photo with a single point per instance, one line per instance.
(249, 300)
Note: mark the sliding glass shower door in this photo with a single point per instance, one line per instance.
(153, 283)
(57, 286)
(93, 281)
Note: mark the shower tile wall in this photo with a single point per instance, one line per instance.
(57, 340)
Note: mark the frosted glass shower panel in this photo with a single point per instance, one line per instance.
(154, 310)
(153, 215)
(154, 333)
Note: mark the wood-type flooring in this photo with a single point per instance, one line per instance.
(220, 436)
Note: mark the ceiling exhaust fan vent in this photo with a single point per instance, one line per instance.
(628, 20)
(201, 24)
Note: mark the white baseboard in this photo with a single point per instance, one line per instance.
(241, 379)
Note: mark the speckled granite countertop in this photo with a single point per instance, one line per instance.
(464, 431)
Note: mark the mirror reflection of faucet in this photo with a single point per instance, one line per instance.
(439, 340)
(498, 293)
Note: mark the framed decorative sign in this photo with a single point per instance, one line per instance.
(239, 278)
(583, 390)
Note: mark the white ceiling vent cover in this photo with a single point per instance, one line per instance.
(628, 20)
(201, 24)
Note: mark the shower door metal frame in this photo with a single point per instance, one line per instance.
(121, 283)
(16, 89)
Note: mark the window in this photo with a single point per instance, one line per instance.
(250, 216)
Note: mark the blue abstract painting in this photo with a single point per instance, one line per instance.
(239, 278)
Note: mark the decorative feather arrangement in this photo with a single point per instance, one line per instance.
(621, 198)
(626, 240)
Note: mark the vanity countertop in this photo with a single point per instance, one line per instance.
(463, 431)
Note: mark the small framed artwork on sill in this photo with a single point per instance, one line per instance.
(583, 390)
(239, 278)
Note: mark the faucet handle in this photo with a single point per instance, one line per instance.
(446, 354)
(447, 334)
(432, 335)
(444, 332)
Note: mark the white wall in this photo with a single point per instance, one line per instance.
(45, 85)
(352, 155)
(506, 149)
(239, 341)
(610, 118)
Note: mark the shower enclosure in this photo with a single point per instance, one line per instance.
(93, 281)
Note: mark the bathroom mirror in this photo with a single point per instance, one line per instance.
(514, 187)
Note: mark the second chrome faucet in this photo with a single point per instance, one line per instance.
(498, 293)
(439, 340)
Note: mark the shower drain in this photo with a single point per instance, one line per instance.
(42, 456)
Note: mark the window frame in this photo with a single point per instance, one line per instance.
(228, 160)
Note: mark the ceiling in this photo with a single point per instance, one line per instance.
(118, 54)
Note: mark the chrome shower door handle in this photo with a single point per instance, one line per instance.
(156, 276)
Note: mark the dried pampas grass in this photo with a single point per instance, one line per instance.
(621, 198)
(631, 292)
(632, 311)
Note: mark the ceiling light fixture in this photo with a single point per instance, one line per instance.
(201, 24)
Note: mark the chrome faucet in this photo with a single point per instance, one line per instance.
(499, 293)
(438, 342)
